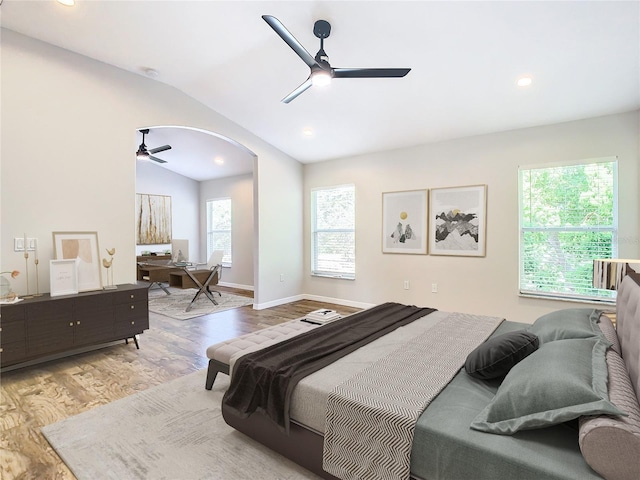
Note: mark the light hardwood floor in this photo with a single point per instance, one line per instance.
(39, 395)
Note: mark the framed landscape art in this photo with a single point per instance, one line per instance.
(458, 221)
(404, 222)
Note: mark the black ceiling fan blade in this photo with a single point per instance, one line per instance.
(370, 72)
(302, 88)
(160, 149)
(156, 159)
(290, 40)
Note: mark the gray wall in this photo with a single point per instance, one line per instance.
(240, 190)
(486, 285)
(68, 162)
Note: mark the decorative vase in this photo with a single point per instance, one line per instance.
(5, 287)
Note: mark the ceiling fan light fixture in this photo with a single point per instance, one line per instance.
(320, 78)
(140, 155)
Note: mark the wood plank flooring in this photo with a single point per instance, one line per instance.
(35, 396)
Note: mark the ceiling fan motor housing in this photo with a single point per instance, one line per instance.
(322, 29)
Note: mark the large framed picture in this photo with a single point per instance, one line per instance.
(404, 222)
(153, 219)
(458, 221)
(82, 247)
(63, 277)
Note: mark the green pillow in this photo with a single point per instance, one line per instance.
(560, 381)
(567, 323)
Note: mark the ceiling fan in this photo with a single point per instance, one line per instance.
(147, 154)
(321, 71)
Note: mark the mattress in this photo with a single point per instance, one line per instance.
(444, 446)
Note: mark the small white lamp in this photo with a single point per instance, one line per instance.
(609, 272)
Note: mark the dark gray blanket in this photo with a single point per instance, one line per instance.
(265, 379)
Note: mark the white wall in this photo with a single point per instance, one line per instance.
(185, 205)
(240, 190)
(486, 285)
(68, 160)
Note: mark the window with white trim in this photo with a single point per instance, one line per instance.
(333, 232)
(568, 218)
(219, 228)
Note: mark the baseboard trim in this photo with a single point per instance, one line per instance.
(279, 301)
(338, 301)
(235, 285)
(316, 298)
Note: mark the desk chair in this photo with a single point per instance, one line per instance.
(215, 264)
(215, 267)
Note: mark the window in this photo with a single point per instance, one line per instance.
(333, 233)
(568, 217)
(219, 228)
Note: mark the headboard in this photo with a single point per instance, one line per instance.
(628, 326)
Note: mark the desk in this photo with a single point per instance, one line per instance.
(153, 272)
(181, 276)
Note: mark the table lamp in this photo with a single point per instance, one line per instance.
(609, 272)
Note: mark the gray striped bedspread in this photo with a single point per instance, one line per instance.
(371, 416)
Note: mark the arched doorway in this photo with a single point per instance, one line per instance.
(200, 166)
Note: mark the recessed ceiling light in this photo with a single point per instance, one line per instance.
(218, 161)
(150, 72)
(307, 132)
(524, 81)
(67, 3)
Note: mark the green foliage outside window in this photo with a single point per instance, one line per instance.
(567, 219)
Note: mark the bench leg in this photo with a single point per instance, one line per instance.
(212, 371)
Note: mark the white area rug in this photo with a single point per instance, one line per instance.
(174, 305)
(174, 431)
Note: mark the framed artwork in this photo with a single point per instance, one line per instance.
(63, 276)
(404, 222)
(83, 248)
(458, 217)
(153, 219)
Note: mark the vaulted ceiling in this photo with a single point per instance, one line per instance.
(465, 58)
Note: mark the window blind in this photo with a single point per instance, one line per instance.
(568, 217)
(219, 228)
(333, 231)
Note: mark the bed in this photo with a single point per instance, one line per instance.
(585, 373)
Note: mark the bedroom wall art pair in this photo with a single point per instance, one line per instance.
(439, 221)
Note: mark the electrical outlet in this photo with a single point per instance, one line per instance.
(405, 285)
(434, 288)
(282, 277)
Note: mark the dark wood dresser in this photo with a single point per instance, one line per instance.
(45, 327)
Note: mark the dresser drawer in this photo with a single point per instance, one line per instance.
(132, 318)
(11, 313)
(133, 295)
(12, 332)
(13, 352)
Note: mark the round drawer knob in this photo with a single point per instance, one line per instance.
(71, 324)
(133, 323)
(132, 296)
(132, 307)
(78, 322)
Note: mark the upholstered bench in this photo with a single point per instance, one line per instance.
(220, 354)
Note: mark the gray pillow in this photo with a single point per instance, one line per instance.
(560, 381)
(567, 323)
(495, 357)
